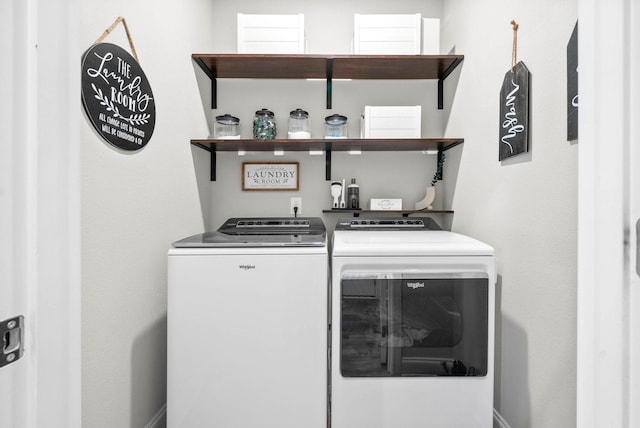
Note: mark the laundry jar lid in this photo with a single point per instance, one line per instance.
(227, 119)
(264, 112)
(335, 119)
(299, 114)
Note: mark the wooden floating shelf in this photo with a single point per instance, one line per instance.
(309, 66)
(438, 145)
(338, 145)
(327, 67)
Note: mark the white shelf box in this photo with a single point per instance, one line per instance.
(385, 204)
(391, 122)
(430, 36)
(271, 34)
(387, 34)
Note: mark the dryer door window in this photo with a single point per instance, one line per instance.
(420, 326)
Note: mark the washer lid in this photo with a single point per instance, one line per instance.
(261, 232)
(418, 243)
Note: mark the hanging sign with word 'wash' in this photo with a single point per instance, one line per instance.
(514, 112)
(117, 97)
(572, 86)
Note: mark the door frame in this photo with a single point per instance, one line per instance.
(43, 207)
(608, 301)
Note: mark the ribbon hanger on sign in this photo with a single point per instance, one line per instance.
(514, 51)
(126, 30)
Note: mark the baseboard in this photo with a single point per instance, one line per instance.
(499, 421)
(159, 420)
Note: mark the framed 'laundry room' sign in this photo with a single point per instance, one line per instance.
(270, 175)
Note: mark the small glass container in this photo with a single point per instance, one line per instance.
(299, 124)
(227, 127)
(264, 125)
(335, 126)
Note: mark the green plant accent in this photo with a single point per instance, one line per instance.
(437, 176)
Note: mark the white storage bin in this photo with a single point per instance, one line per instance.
(391, 122)
(386, 34)
(430, 36)
(271, 34)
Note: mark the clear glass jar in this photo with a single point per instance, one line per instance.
(227, 127)
(264, 125)
(335, 126)
(299, 124)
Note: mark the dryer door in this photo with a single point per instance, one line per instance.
(403, 325)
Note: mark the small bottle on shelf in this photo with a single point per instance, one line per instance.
(353, 195)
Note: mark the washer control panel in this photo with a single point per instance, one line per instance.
(268, 223)
(387, 223)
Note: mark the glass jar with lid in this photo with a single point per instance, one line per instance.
(226, 127)
(299, 124)
(264, 125)
(335, 126)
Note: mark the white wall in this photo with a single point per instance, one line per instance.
(526, 207)
(133, 206)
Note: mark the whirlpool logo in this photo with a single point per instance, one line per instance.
(415, 285)
(247, 267)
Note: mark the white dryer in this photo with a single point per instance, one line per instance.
(247, 326)
(412, 326)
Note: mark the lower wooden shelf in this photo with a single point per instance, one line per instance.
(404, 213)
(437, 145)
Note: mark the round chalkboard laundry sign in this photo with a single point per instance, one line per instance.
(117, 97)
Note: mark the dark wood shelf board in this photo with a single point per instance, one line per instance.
(392, 66)
(249, 66)
(337, 145)
(307, 66)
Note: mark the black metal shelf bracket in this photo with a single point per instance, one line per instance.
(441, 80)
(329, 81)
(214, 93)
(214, 82)
(327, 161)
(213, 161)
(212, 166)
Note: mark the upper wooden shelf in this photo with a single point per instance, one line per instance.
(329, 67)
(276, 66)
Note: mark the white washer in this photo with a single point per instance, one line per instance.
(412, 326)
(247, 326)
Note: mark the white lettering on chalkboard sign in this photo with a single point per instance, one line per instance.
(117, 97)
(514, 112)
(510, 123)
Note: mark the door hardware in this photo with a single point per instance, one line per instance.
(11, 340)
